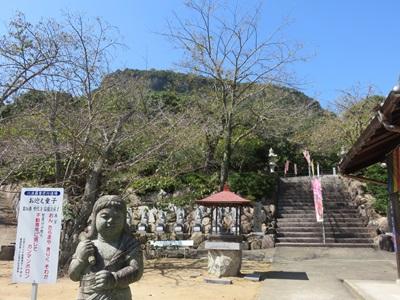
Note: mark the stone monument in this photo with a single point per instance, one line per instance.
(160, 228)
(197, 220)
(234, 228)
(144, 221)
(109, 258)
(180, 220)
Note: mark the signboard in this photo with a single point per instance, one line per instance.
(317, 191)
(38, 235)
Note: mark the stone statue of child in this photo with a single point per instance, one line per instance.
(110, 258)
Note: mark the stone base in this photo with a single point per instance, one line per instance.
(224, 263)
(224, 258)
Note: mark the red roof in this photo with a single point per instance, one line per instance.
(224, 198)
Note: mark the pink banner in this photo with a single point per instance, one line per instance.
(317, 191)
(307, 156)
(287, 163)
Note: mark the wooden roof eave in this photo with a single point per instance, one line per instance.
(369, 141)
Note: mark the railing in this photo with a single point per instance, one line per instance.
(321, 172)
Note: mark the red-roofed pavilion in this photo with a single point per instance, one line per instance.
(226, 198)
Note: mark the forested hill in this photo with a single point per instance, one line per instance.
(164, 80)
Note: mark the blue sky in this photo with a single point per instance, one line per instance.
(349, 42)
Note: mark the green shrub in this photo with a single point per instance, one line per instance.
(252, 185)
(146, 185)
(200, 184)
(380, 192)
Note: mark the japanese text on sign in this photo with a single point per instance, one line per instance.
(38, 235)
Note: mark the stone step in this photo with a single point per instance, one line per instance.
(319, 225)
(286, 201)
(327, 240)
(327, 219)
(327, 229)
(330, 245)
(329, 234)
(310, 206)
(311, 198)
(288, 210)
(327, 214)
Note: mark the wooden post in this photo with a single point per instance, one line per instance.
(394, 203)
(240, 219)
(393, 163)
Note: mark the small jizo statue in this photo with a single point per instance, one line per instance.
(110, 258)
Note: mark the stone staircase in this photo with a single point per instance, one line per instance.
(297, 225)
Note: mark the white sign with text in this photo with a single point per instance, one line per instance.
(38, 235)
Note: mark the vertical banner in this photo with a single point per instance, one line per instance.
(287, 164)
(307, 156)
(38, 235)
(317, 192)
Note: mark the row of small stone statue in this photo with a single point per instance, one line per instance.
(196, 224)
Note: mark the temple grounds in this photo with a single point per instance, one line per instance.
(163, 279)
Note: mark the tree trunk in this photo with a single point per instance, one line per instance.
(71, 233)
(211, 144)
(226, 160)
(56, 147)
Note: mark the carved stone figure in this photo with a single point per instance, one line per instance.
(144, 218)
(161, 218)
(109, 259)
(198, 215)
(180, 220)
(129, 217)
(197, 220)
(180, 216)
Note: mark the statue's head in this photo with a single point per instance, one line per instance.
(108, 217)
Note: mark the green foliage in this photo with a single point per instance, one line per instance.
(200, 184)
(378, 191)
(250, 154)
(41, 170)
(252, 185)
(146, 185)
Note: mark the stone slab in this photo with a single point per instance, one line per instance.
(218, 280)
(213, 245)
(179, 243)
(253, 277)
(374, 289)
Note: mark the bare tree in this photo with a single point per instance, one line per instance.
(224, 45)
(26, 52)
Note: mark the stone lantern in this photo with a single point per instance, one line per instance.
(224, 245)
(272, 160)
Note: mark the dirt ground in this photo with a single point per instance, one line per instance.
(163, 279)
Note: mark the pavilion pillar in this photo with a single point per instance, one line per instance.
(393, 168)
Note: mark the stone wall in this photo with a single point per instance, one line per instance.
(363, 201)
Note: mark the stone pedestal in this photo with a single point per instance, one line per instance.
(142, 228)
(224, 258)
(160, 228)
(178, 228)
(197, 228)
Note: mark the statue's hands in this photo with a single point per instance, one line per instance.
(105, 280)
(85, 249)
